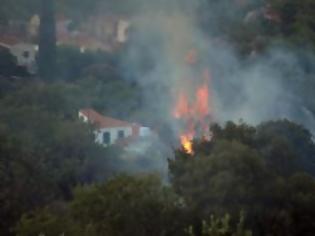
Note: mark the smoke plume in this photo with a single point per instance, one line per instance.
(255, 89)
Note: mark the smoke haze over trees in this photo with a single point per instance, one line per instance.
(255, 176)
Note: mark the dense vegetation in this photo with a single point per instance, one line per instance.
(249, 180)
(255, 174)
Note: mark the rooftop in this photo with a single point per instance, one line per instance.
(103, 121)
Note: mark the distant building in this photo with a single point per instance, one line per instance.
(266, 12)
(24, 52)
(110, 131)
(112, 29)
(33, 26)
(97, 33)
(122, 31)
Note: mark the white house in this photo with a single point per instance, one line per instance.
(109, 131)
(25, 53)
(122, 31)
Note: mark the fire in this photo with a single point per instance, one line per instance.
(182, 107)
(193, 108)
(186, 143)
(202, 102)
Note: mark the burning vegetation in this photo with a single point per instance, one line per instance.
(60, 176)
(193, 104)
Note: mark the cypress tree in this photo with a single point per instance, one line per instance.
(47, 40)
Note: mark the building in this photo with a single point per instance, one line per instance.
(96, 33)
(110, 29)
(24, 52)
(110, 131)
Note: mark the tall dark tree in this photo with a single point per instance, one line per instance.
(47, 40)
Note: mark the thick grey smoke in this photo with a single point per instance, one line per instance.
(254, 90)
(258, 91)
(265, 89)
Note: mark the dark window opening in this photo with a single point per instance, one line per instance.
(106, 138)
(121, 134)
(26, 54)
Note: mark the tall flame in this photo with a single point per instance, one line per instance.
(182, 108)
(194, 112)
(187, 144)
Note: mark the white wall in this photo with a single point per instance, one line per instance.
(122, 29)
(113, 134)
(83, 117)
(143, 132)
(29, 62)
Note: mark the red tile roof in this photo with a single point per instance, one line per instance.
(83, 40)
(102, 121)
(9, 40)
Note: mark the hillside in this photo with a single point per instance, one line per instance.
(224, 87)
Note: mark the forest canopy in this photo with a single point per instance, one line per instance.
(252, 174)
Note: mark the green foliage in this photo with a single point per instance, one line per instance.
(108, 207)
(235, 132)
(255, 169)
(243, 168)
(17, 10)
(50, 221)
(73, 64)
(285, 141)
(24, 183)
(45, 152)
(46, 149)
(286, 147)
(227, 180)
(7, 62)
(124, 206)
(222, 227)
(297, 19)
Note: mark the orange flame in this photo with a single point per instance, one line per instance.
(182, 107)
(202, 100)
(193, 111)
(187, 144)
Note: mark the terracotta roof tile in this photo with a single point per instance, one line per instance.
(9, 40)
(103, 121)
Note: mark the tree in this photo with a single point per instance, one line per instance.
(20, 10)
(296, 141)
(285, 146)
(125, 205)
(45, 150)
(52, 220)
(24, 183)
(47, 40)
(252, 169)
(242, 132)
(222, 227)
(227, 180)
(297, 19)
(7, 62)
(290, 209)
(128, 206)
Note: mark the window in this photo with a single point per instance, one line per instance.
(26, 54)
(121, 134)
(106, 138)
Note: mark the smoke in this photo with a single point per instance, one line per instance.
(147, 155)
(264, 89)
(255, 89)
